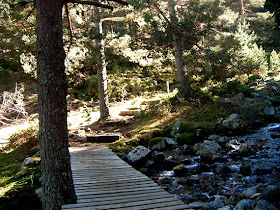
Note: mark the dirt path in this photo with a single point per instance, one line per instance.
(78, 118)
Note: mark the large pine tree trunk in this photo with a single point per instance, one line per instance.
(183, 82)
(101, 67)
(57, 179)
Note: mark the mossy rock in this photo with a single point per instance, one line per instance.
(179, 170)
(186, 128)
(155, 140)
(187, 138)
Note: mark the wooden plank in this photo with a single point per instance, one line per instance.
(119, 197)
(81, 197)
(104, 181)
(118, 204)
(121, 200)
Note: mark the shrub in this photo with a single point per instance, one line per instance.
(187, 138)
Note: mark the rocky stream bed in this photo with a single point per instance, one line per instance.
(223, 172)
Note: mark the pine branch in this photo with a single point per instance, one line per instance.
(90, 3)
(173, 26)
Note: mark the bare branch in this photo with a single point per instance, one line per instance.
(69, 27)
(117, 19)
(120, 2)
(90, 3)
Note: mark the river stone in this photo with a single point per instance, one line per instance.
(219, 202)
(248, 193)
(198, 205)
(245, 204)
(207, 149)
(138, 154)
(223, 140)
(271, 193)
(264, 205)
(214, 137)
(158, 146)
(269, 111)
(225, 208)
(169, 141)
(180, 170)
(233, 122)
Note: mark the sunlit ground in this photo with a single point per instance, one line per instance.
(79, 118)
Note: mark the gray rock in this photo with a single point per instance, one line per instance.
(248, 193)
(174, 133)
(207, 149)
(233, 145)
(234, 122)
(169, 141)
(264, 205)
(198, 205)
(271, 193)
(239, 97)
(219, 202)
(158, 146)
(223, 140)
(225, 208)
(39, 193)
(245, 204)
(138, 154)
(30, 161)
(193, 169)
(214, 137)
(269, 111)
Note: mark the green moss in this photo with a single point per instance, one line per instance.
(187, 138)
(155, 140)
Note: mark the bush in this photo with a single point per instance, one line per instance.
(187, 138)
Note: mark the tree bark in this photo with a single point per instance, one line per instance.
(242, 10)
(101, 67)
(183, 82)
(57, 179)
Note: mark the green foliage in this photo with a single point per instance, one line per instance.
(249, 56)
(232, 87)
(274, 63)
(17, 189)
(275, 101)
(187, 138)
(185, 128)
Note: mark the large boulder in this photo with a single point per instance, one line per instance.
(139, 155)
(234, 122)
(245, 204)
(207, 149)
(264, 205)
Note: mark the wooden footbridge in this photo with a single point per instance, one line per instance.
(103, 181)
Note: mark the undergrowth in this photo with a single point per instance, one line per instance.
(17, 188)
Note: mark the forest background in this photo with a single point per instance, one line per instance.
(226, 46)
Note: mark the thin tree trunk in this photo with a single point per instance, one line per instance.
(57, 179)
(184, 85)
(101, 67)
(242, 10)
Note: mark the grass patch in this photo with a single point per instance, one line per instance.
(17, 189)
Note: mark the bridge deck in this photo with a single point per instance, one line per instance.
(103, 181)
